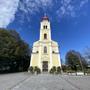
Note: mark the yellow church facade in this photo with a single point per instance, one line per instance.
(45, 51)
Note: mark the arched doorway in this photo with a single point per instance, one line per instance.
(45, 66)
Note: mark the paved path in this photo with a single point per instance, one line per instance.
(8, 81)
(25, 81)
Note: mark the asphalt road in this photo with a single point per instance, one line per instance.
(26, 81)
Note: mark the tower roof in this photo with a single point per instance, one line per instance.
(45, 18)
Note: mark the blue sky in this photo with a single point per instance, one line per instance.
(70, 21)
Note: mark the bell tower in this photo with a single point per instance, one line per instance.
(45, 29)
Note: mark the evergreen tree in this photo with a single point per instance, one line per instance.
(14, 52)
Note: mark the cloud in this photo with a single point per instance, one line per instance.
(8, 9)
(33, 6)
(62, 8)
(83, 2)
(66, 7)
(71, 7)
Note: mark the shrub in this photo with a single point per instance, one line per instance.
(58, 70)
(37, 70)
(31, 69)
(53, 70)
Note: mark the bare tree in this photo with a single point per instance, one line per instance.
(87, 55)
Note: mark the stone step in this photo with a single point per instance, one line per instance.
(45, 73)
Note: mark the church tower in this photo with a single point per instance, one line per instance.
(45, 52)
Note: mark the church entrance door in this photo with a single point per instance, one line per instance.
(45, 66)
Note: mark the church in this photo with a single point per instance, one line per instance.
(45, 51)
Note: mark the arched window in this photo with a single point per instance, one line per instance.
(53, 52)
(45, 27)
(45, 36)
(45, 49)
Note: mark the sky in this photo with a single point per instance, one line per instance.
(70, 21)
